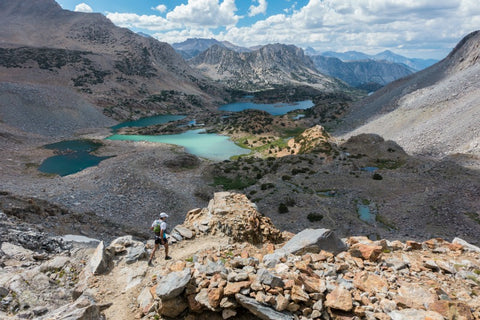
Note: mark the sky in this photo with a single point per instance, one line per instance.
(412, 28)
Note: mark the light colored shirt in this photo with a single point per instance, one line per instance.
(158, 225)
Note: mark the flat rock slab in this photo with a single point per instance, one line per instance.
(314, 240)
(260, 310)
(173, 284)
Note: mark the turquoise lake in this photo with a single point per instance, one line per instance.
(75, 156)
(207, 145)
(275, 109)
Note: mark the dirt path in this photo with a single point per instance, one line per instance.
(122, 286)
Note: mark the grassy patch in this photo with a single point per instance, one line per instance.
(291, 132)
(32, 165)
(381, 219)
(388, 164)
(474, 216)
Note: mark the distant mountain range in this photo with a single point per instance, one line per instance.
(369, 75)
(270, 66)
(357, 69)
(387, 55)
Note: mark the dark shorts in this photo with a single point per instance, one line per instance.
(158, 240)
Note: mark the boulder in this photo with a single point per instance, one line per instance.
(81, 309)
(184, 232)
(265, 277)
(173, 284)
(370, 282)
(55, 264)
(466, 246)
(261, 311)
(100, 261)
(414, 296)
(340, 298)
(136, 253)
(172, 308)
(366, 251)
(145, 298)
(313, 241)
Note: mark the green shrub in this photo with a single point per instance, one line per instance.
(282, 208)
(266, 186)
(377, 176)
(312, 217)
(290, 202)
(237, 183)
(286, 177)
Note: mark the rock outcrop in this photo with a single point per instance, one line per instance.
(234, 216)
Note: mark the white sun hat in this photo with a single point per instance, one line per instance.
(163, 215)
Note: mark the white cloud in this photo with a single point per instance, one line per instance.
(149, 22)
(83, 7)
(205, 13)
(409, 27)
(176, 36)
(160, 8)
(260, 9)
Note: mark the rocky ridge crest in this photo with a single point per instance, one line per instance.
(270, 66)
(111, 67)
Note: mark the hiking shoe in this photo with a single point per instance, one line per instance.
(150, 263)
(168, 258)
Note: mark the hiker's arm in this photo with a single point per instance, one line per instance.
(161, 236)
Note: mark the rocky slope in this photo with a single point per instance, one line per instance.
(361, 74)
(219, 273)
(366, 185)
(270, 66)
(433, 112)
(111, 67)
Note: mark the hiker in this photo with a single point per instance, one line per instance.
(160, 229)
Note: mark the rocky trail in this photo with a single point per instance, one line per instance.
(230, 262)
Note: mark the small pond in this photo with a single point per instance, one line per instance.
(275, 109)
(207, 145)
(74, 156)
(365, 213)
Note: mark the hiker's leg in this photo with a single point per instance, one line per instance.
(153, 251)
(165, 244)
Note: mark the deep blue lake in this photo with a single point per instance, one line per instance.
(75, 156)
(149, 121)
(275, 109)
